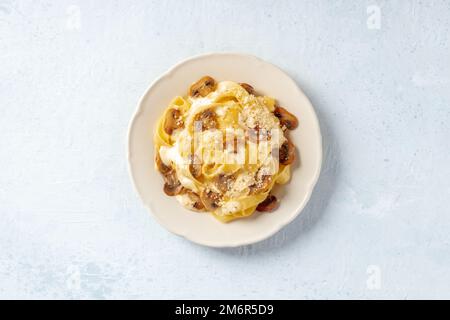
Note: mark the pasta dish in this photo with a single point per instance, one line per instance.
(223, 147)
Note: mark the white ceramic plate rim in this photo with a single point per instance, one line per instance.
(229, 243)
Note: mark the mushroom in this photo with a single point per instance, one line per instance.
(195, 167)
(262, 183)
(172, 185)
(247, 88)
(210, 199)
(197, 203)
(208, 119)
(224, 182)
(160, 165)
(269, 204)
(202, 87)
(287, 153)
(172, 121)
(287, 119)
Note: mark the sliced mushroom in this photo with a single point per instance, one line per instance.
(172, 121)
(160, 165)
(287, 119)
(208, 119)
(195, 167)
(262, 183)
(247, 88)
(269, 204)
(197, 203)
(172, 185)
(210, 199)
(287, 153)
(224, 182)
(202, 87)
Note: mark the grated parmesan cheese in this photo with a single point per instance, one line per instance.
(257, 115)
(230, 207)
(241, 185)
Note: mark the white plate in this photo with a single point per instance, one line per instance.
(203, 228)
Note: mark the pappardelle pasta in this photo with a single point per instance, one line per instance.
(222, 148)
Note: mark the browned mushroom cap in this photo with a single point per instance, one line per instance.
(172, 121)
(160, 165)
(224, 182)
(269, 204)
(287, 153)
(172, 185)
(195, 167)
(247, 88)
(208, 119)
(286, 118)
(197, 203)
(210, 199)
(262, 183)
(202, 87)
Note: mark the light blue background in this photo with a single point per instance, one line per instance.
(71, 74)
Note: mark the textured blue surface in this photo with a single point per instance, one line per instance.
(377, 72)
